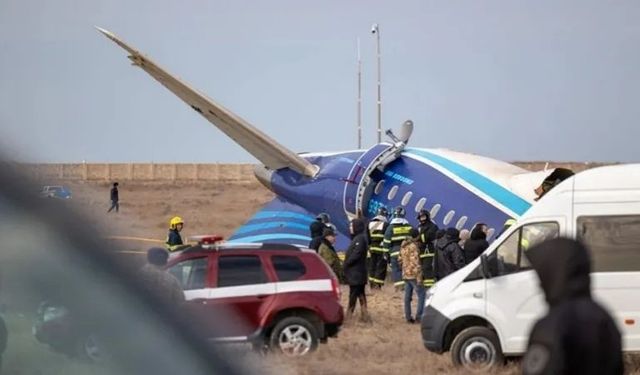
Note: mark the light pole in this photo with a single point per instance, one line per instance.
(359, 124)
(375, 29)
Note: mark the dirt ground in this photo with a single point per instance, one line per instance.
(388, 346)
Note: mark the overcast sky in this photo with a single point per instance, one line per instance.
(514, 80)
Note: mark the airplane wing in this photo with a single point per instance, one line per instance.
(280, 221)
(272, 154)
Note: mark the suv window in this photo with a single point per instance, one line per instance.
(236, 270)
(288, 267)
(614, 242)
(508, 257)
(192, 273)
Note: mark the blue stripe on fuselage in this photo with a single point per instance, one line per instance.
(498, 193)
(280, 237)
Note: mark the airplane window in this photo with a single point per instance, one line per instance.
(393, 192)
(448, 217)
(434, 210)
(379, 186)
(461, 222)
(406, 198)
(490, 233)
(420, 204)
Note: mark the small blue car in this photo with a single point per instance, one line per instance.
(59, 192)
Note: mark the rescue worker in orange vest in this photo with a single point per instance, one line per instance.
(378, 264)
(398, 230)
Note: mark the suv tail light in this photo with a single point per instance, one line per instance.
(335, 286)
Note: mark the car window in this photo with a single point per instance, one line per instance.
(509, 256)
(234, 270)
(192, 273)
(288, 267)
(613, 242)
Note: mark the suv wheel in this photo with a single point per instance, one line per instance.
(294, 337)
(477, 349)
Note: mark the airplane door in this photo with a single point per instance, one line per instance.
(514, 299)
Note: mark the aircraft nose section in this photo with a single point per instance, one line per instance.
(263, 174)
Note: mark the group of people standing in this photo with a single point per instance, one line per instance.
(417, 257)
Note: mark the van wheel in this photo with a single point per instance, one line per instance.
(294, 337)
(477, 349)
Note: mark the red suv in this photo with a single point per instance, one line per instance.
(276, 296)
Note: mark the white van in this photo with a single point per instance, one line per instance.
(486, 310)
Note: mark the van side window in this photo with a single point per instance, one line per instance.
(614, 242)
(508, 257)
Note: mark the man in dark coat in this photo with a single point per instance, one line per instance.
(115, 198)
(577, 336)
(426, 243)
(323, 221)
(476, 244)
(450, 256)
(355, 269)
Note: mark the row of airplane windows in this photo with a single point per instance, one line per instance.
(421, 203)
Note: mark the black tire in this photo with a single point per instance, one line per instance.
(477, 349)
(294, 336)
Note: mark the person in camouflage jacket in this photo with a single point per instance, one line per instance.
(328, 253)
(409, 259)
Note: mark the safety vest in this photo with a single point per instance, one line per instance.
(376, 233)
(398, 233)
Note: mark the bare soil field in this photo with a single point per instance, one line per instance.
(387, 346)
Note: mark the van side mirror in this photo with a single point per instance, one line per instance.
(484, 267)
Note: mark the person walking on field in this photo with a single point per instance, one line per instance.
(409, 260)
(355, 269)
(114, 198)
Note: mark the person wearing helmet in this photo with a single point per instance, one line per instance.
(427, 237)
(174, 239)
(378, 265)
(322, 222)
(398, 230)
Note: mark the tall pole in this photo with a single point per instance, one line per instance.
(359, 124)
(375, 29)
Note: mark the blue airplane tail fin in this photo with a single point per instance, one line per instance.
(280, 221)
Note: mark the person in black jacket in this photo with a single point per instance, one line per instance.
(355, 269)
(427, 240)
(476, 244)
(114, 198)
(323, 221)
(577, 336)
(450, 256)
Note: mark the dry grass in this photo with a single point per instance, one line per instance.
(387, 346)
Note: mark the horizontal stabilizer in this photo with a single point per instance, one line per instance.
(280, 221)
(272, 154)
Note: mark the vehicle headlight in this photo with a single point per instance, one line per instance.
(52, 313)
(429, 296)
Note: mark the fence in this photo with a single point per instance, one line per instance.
(140, 172)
